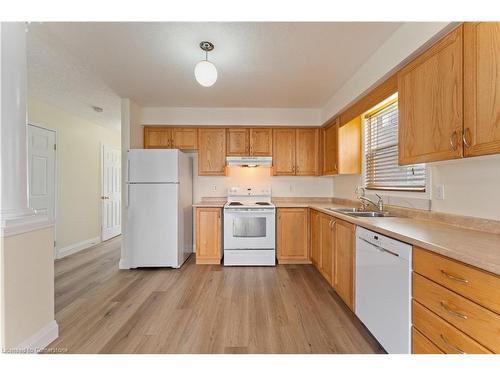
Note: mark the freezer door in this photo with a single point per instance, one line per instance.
(152, 227)
(153, 166)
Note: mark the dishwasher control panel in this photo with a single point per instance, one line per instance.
(402, 249)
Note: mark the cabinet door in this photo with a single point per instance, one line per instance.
(481, 88)
(284, 152)
(156, 137)
(293, 235)
(315, 239)
(430, 103)
(261, 142)
(208, 236)
(238, 142)
(327, 247)
(185, 138)
(330, 149)
(212, 152)
(349, 147)
(344, 261)
(307, 152)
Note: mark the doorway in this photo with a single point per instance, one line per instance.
(110, 192)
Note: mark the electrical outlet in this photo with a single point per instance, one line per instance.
(439, 192)
(291, 188)
(214, 187)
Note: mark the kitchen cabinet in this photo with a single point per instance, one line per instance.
(295, 152)
(293, 235)
(330, 149)
(322, 244)
(208, 235)
(481, 134)
(261, 142)
(422, 345)
(168, 137)
(238, 142)
(349, 147)
(315, 236)
(430, 93)
(343, 270)
(212, 152)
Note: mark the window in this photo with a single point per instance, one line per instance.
(382, 171)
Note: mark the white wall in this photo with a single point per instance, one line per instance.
(203, 186)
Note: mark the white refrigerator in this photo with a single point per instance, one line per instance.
(159, 198)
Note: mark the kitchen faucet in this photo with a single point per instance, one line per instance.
(364, 200)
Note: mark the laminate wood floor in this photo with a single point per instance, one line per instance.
(199, 309)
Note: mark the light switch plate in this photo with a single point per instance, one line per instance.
(439, 192)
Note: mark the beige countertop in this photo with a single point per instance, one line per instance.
(479, 249)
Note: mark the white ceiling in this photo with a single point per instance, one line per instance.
(282, 65)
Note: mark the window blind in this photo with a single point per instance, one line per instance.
(382, 171)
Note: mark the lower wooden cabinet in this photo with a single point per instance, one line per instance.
(422, 345)
(208, 235)
(293, 235)
(343, 269)
(322, 242)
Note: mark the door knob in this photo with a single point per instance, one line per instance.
(104, 197)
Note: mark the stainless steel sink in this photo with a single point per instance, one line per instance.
(359, 212)
(346, 210)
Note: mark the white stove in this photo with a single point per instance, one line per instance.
(249, 227)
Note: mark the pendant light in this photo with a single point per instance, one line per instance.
(205, 72)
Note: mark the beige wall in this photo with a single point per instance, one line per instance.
(79, 171)
(27, 285)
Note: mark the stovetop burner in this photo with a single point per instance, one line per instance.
(263, 203)
(235, 204)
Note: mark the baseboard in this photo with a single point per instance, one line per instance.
(123, 264)
(76, 247)
(40, 340)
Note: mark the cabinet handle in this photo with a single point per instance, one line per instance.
(464, 137)
(330, 224)
(455, 278)
(453, 312)
(453, 140)
(453, 347)
(297, 169)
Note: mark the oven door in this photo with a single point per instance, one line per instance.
(249, 228)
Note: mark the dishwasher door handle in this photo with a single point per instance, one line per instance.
(381, 249)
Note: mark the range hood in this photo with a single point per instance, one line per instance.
(249, 161)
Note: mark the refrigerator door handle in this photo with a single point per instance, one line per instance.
(128, 169)
(128, 196)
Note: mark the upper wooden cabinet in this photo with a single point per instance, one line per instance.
(330, 149)
(238, 142)
(430, 103)
(293, 235)
(481, 88)
(295, 152)
(212, 152)
(343, 271)
(261, 142)
(249, 142)
(168, 137)
(349, 147)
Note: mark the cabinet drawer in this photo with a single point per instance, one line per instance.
(479, 286)
(422, 345)
(476, 321)
(449, 339)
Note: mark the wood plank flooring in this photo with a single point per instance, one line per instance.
(199, 309)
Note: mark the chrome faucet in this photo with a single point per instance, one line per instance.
(379, 204)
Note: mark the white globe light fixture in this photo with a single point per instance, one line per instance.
(205, 72)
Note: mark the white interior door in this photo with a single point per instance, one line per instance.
(42, 171)
(111, 192)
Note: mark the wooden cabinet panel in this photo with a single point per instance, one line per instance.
(330, 149)
(481, 88)
(306, 155)
(349, 147)
(422, 345)
(184, 138)
(208, 235)
(449, 339)
(284, 152)
(476, 321)
(238, 142)
(261, 142)
(430, 103)
(344, 261)
(156, 137)
(293, 235)
(212, 152)
(327, 247)
(315, 239)
(477, 285)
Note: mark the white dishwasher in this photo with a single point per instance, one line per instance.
(383, 289)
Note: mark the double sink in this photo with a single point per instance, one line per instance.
(359, 212)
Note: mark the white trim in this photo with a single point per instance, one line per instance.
(123, 264)
(24, 224)
(76, 247)
(40, 340)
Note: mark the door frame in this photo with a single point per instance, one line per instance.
(118, 148)
(56, 178)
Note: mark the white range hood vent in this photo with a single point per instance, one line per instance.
(249, 161)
